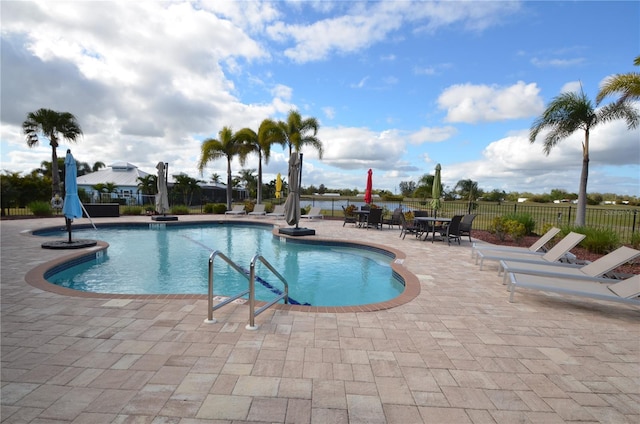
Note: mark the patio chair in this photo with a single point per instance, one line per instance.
(258, 210)
(535, 247)
(237, 210)
(349, 218)
(555, 254)
(405, 228)
(450, 231)
(395, 218)
(466, 224)
(598, 268)
(374, 218)
(627, 291)
(313, 214)
(278, 212)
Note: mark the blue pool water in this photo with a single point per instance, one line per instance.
(168, 259)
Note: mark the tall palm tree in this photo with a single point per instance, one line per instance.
(52, 125)
(297, 132)
(268, 134)
(627, 85)
(227, 145)
(570, 112)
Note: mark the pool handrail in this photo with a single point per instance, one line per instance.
(251, 290)
(211, 306)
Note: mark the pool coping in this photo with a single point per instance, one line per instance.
(35, 277)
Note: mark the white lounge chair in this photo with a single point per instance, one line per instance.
(278, 212)
(237, 210)
(615, 290)
(313, 214)
(258, 210)
(538, 245)
(597, 268)
(554, 254)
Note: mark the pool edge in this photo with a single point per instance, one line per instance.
(35, 278)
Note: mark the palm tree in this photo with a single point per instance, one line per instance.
(227, 145)
(52, 125)
(570, 112)
(249, 179)
(98, 166)
(268, 134)
(186, 186)
(627, 85)
(298, 132)
(215, 178)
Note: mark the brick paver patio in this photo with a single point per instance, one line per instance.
(459, 352)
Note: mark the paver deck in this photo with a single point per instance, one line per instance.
(459, 352)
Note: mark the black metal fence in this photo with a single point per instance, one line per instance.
(623, 220)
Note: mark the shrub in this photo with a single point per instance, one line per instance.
(525, 219)
(635, 240)
(216, 208)
(515, 229)
(503, 226)
(179, 210)
(498, 227)
(132, 210)
(39, 208)
(597, 240)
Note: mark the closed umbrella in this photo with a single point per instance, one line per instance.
(72, 207)
(436, 191)
(162, 198)
(367, 192)
(292, 204)
(278, 186)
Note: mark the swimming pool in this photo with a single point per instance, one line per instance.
(163, 258)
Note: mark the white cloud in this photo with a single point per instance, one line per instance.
(481, 103)
(432, 135)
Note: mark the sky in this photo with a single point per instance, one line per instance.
(396, 86)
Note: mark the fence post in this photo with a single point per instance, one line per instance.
(569, 216)
(633, 226)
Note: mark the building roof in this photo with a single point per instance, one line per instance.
(122, 174)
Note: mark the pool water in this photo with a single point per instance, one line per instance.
(168, 259)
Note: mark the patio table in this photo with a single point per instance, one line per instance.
(362, 216)
(429, 222)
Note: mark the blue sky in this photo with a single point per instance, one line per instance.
(397, 86)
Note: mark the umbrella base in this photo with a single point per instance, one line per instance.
(164, 218)
(64, 244)
(297, 231)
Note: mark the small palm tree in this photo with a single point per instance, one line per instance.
(570, 112)
(250, 181)
(268, 134)
(627, 85)
(98, 166)
(297, 133)
(227, 145)
(52, 125)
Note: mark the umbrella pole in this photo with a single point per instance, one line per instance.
(68, 222)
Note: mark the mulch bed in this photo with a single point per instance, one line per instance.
(582, 254)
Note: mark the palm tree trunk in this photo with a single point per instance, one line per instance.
(229, 187)
(582, 193)
(55, 173)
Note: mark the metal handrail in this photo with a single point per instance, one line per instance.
(211, 306)
(252, 292)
